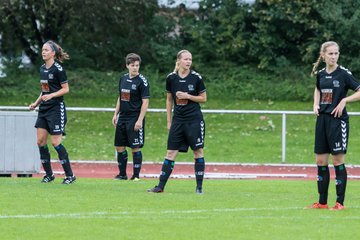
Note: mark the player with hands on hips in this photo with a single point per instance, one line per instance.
(332, 122)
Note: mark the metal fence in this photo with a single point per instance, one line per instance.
(283, 113)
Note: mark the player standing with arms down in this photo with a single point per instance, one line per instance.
(332, 123)
(185, 90)
(129, 117)
(52, 113)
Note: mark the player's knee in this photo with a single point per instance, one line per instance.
(56, 141)
(171, 154)
(120, 149)
(41, 142)
(198, 153)
(338, 160)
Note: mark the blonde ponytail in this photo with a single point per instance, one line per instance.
(315, 66)
(176, 66)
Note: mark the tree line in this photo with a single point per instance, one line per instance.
(273, 35)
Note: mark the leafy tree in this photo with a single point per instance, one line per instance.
(96, 33)
(28, 23)
(292, 31)
(219, 30)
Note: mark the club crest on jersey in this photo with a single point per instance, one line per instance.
(336, 83)
(133, 87)
(191, 87)
(51, 76)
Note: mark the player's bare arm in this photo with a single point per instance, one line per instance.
(33, 105)
(316, 101)
(64, 90)
(338, 110)
(201, 98)
(169, 106)
(117, 109)
(144, 108)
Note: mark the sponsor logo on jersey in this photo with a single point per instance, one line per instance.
(45, 86)
(125, 95)
(326, 96)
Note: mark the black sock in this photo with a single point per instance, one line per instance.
(323, 180)
(137, 161)
(64, 159)
(341, 179)
(122, 158)
(166, 170)
(45, 159)
(199, 171)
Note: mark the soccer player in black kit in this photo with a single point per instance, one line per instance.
(129, 117)
(185, 90)
(52, 113)
(332, 123)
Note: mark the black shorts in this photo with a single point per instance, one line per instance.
(331, 135)
(183, 135)
(53, 119)
(125, 135)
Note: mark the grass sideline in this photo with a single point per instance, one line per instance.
(229, 209)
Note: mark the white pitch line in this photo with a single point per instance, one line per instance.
(152, 213)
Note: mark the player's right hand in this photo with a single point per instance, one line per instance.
(316, 110)
(32, 106)
(114, 120)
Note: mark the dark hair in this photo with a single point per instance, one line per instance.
(60, 54)
(131, 58)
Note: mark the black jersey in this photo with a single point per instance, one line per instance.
(51, 80)
(333, 88)
(185, 110)
(132, 91)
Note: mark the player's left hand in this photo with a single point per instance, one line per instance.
(46, 97)
(138, 125)
(182, 95)
(338, 110)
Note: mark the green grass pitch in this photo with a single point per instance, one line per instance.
(229, 209)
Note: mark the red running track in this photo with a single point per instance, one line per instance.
(104, 169)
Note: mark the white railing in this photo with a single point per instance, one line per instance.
(218, 111)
